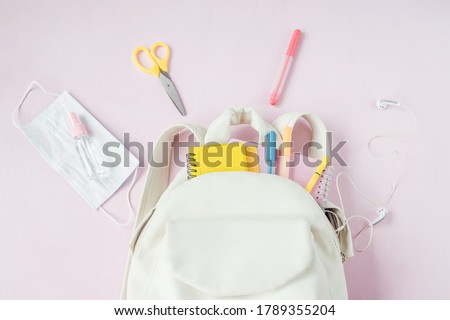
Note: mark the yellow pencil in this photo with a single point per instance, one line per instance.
(317, 174)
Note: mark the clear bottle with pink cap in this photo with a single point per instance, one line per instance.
(85, 146)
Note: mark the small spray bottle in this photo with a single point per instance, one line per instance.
(85, 147)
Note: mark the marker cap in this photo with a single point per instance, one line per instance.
(293, 44)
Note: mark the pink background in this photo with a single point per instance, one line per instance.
(228, 53)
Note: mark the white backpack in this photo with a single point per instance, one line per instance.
(234, 235)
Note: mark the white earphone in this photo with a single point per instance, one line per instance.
(382, 213)
(384, 103)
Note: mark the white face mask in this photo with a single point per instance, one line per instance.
(50, 134)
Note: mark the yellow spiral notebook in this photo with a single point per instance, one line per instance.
(235, 156)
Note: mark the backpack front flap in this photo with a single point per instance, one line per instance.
(237, 221)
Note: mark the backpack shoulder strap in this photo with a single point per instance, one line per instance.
(157, 178)
(156, 182)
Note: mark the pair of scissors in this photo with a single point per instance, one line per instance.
(159, 68)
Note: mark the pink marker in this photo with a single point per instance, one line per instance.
(286, 66)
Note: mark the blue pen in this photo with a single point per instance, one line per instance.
(271, 152)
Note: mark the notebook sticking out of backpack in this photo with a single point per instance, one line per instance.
(219, 158)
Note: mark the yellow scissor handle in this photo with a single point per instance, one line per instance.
(154, 69)
(163, 62)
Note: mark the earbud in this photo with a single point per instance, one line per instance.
(382, 213)
(383, 104)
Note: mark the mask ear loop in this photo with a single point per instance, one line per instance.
(16, 110)
(131, 210)
(394, 183)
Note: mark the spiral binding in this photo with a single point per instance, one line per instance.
(322, 188)
(191, 165)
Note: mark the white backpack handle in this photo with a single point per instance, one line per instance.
(219, 130)
(319, 131)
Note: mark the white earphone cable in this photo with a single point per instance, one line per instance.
(343, 225)
(394, 183)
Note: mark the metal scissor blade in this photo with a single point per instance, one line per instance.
(172, 92)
